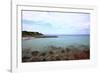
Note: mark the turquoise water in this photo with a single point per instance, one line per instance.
(41, 44)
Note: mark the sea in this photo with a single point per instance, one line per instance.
(64, 41)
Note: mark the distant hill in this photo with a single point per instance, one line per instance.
(30, 34)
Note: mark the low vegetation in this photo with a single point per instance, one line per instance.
(30, 34)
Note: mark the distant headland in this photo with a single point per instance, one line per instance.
(35, 35)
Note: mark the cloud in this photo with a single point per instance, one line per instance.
(56, 23)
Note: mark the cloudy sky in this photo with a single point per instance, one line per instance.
(56, 22)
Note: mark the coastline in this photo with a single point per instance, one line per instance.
(27, 38)
(31, 37)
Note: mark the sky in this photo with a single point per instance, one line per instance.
(56, 22)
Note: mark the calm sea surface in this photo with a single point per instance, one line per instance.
(41, 44)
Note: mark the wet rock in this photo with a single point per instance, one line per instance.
(51, 52)
(35, 53)
(25, 59)
(43, 54)
(62, 51)
(67, 50)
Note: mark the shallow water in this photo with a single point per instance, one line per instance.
(41, 44)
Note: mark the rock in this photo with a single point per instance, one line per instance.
(25, 59)
(35, 53)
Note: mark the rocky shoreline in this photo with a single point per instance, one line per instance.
(56, 54)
